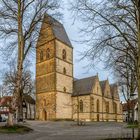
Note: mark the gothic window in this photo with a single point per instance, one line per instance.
(64, 55)
(115, 108)
(107, 107)
(48, 53)
(98, 106)
(64, 89)
(92, 104)
(81, 106)
(41, 56)
(64, 71)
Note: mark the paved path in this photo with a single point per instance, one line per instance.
(70, 131)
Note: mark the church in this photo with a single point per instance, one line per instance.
(59, 96)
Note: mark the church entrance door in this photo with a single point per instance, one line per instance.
(45, 115)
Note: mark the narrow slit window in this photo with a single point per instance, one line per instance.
(64, 71)
(81, 106)
(41, 56)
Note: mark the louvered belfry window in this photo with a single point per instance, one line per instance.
(64, 55)
(48, 53)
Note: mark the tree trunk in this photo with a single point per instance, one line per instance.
(10, 119)
(30, 111)
(139, 106)
(78, 121)
(19, 61)
(139, 102)
(128, 110)
(20, 107)
(138, 69)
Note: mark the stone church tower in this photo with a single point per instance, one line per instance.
(54, 72)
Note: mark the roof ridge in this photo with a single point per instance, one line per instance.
(103, 81)
(86, 78)
(53, 18)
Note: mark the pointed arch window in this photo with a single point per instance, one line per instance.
(81, 106)
(64, 54)
(41, 56)
(48, 54)
(92, 104)
(98, 107)
(115, 108)
(107, 107)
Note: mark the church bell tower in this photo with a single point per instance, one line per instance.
(54, 72)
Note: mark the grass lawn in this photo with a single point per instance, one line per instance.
(15, 129)
(132, 126)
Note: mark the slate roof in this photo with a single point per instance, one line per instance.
(75, 79)
(58, 30)
(84, 86)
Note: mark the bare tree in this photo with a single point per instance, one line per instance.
(125, 71)
(9, 83)
(112, 30)
(127, 89)
(19, 25)
(9, 79)
(3, 91)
